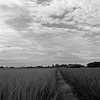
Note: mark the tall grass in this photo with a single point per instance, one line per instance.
(87, 88)
(19, 89)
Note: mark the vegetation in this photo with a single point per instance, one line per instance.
(42, 82)
(28, 84)
(53, 66)
(89, 65)
(93, 65)
(21, 90)
(85, 82)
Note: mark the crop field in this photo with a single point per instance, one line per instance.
(28, 84)
(44, 84)
(84, 81)
(27, 74)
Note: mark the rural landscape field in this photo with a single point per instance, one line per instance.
(27, 84)
(50, 84)
(85, 82)
(49, 49)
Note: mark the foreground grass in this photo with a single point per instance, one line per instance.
(48, 85)
(35, 84)
(22, 90)
(28, 84)
(85, 83)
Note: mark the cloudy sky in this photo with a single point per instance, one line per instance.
(49, 31)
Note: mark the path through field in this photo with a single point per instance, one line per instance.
(34, 84)
(64, 88)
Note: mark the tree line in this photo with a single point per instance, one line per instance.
(89, 65)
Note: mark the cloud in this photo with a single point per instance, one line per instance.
(81, 11)
(87, 55)
(11, 2)
(20, 22)
(58, 30)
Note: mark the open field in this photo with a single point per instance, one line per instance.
(28, 84)
(27, 74)
(85, 82)
(50, 84)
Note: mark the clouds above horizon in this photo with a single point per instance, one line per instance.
(49, 31)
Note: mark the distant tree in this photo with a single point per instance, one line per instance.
(75, 66)
(53, 66)
(12, 67)
(29, 67)
(39, 67)
(93, 65)
(48, 66)
(70, 65)
(1, 67)
(57, 66)
(64, 66)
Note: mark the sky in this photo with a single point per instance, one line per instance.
(46, 32)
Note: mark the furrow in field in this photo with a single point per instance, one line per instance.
(64, 88)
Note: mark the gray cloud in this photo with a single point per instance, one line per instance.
(47, 32)
(61, 25)
(20, 22)
(42, 1)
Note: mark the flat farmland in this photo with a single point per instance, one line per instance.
(40, 74)
(80, 72)
(85, 82)
(28, 84)
(45, 83)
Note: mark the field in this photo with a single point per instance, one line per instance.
(50, 84)
(27, 74)
(85, 82)
(28, 84)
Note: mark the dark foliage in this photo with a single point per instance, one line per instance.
(75, 66)
(1, 67)
(93, 65)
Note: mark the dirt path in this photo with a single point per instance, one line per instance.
(64, 88)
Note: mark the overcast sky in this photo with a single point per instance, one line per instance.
(49, 31)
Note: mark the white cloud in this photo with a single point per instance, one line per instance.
(11, 2)
(50, 29)
(87, 55)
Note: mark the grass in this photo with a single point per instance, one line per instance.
(22, 90)
(42, 84)
(27, 74)
(85, 82)
(28, 84)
